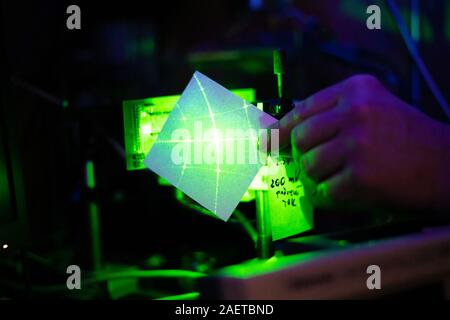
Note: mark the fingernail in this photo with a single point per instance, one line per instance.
(264, 140)
(274, 140)
(298, 108)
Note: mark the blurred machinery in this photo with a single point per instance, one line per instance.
(12, 207)
(67, 140)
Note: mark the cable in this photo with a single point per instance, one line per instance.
(51, 98)
(184, 296)
(138, 274)
(143, 274)
(242, 219)
(239, 216)
(417, 58)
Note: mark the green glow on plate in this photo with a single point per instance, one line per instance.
(257, 267)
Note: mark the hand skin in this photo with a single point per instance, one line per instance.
(363, 147)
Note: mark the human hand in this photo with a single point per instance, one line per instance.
(360, 145)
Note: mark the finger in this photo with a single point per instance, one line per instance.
(336, 190)
(316, 130)
(324, 161)
(317, 103)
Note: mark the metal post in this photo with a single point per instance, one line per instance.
(264, 246)
(94, 219)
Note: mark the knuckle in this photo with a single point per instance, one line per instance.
(360, 110)
(363, 80)
(355, 143)
(360, 142)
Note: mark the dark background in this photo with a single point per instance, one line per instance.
(131, 50)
